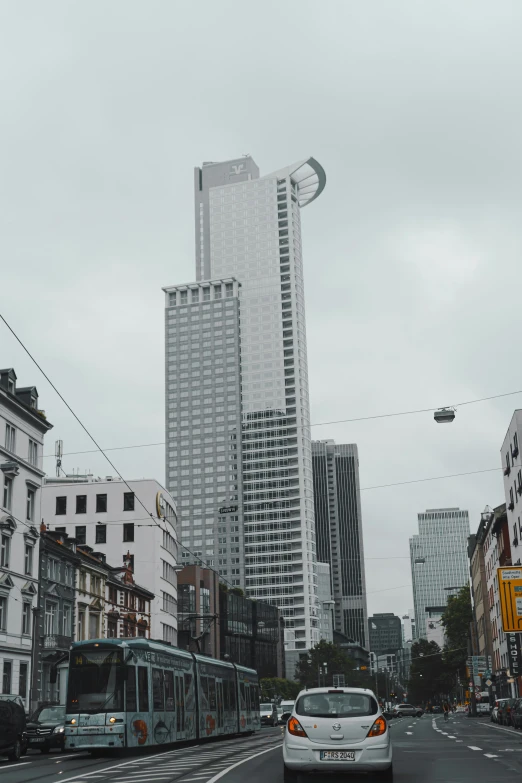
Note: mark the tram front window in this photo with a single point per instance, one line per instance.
(95, 682)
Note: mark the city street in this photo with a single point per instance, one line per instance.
(425, 749)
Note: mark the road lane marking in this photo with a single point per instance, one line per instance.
(238, 763)
(408, 732)
(21, 764)
(474, 747)
(490, 756)
(450, 736)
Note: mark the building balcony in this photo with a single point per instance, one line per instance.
(57, 642)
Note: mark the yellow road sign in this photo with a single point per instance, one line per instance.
(510, 591)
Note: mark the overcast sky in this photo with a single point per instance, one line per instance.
(412, 254)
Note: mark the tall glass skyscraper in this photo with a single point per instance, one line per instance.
(338, 525)
(248, 228)
(439, 563)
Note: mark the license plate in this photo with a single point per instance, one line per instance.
(36, 739)
(337, 755)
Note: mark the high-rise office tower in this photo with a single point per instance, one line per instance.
(338, 525)
(439, 563)
(203, 421)
(248, 227)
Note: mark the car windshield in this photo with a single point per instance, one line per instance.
(266, 708)
(336, 705)
(50, 714)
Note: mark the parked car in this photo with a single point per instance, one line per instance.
(436, 709)
(407, 709)
(45, 728)
(13, 737)
(504, 711)
(268, 714)
(320, 716)
(516, 714)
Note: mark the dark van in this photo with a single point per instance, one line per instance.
(13, 738)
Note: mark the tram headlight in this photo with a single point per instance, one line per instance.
(112, 720)
(59, 730)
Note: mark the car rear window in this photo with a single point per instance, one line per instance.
(336, 705)
(265, 708)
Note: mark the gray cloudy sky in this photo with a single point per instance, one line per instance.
(412, 253)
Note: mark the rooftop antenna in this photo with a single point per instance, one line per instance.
(58, 452)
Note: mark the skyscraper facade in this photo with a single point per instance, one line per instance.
(439, 563)
(338, 525)
(248, 227)
(203, 422)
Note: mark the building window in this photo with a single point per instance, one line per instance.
(22, 680)
(141, 605)
(33, 452)
(229, 289)
(112, 632)
(128, 531)
(67, 620)
(101, 534)
(28, 560)
(61, 505)
(26, 619)
(31, 495)
(3, 613)
(5, 550)
(94, 626)
(81, 504)
(195, 295)
(101, 504)
(6, 679)
(10, 438)
(8, 493)
(80, 534)
(128, 501)
(81, 626)
(113, 595)
(51, 618)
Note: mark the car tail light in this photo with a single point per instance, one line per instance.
(295, 728)
(378, 728)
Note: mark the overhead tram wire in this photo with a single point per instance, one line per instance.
(98, 447)
(298, 426)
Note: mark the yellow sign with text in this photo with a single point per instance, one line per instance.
(510, 591)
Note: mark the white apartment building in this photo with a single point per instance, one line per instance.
(107, 514)
(512, 464)
(22, 430)
(249, 227)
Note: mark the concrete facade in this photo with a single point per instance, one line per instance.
(22, 430)
(338, 525)
(512, 465)
(107, 515)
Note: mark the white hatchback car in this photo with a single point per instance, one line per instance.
(337, 730)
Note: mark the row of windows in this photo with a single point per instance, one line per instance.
(10, 444)
(26, 619)
(80, 532)
(5, 554)
(7, 498)
(101, 503)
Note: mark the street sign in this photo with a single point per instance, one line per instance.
(510, 591)
(489, 683)
(227, 510)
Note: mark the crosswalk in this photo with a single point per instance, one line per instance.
(193, 764)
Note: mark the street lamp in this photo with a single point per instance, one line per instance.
(444, 415)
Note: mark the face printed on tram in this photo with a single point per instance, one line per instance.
(161, 732)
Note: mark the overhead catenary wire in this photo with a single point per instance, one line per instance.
(98, 447)
(298, 426)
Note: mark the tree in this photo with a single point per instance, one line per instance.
(273, 688)
(430, 679)
(456, 621)
(337, 662)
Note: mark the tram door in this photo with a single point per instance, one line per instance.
(220, 706)
(180, 707)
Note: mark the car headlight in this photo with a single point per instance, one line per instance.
(58, 730)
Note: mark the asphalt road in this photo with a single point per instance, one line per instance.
(426, 750)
